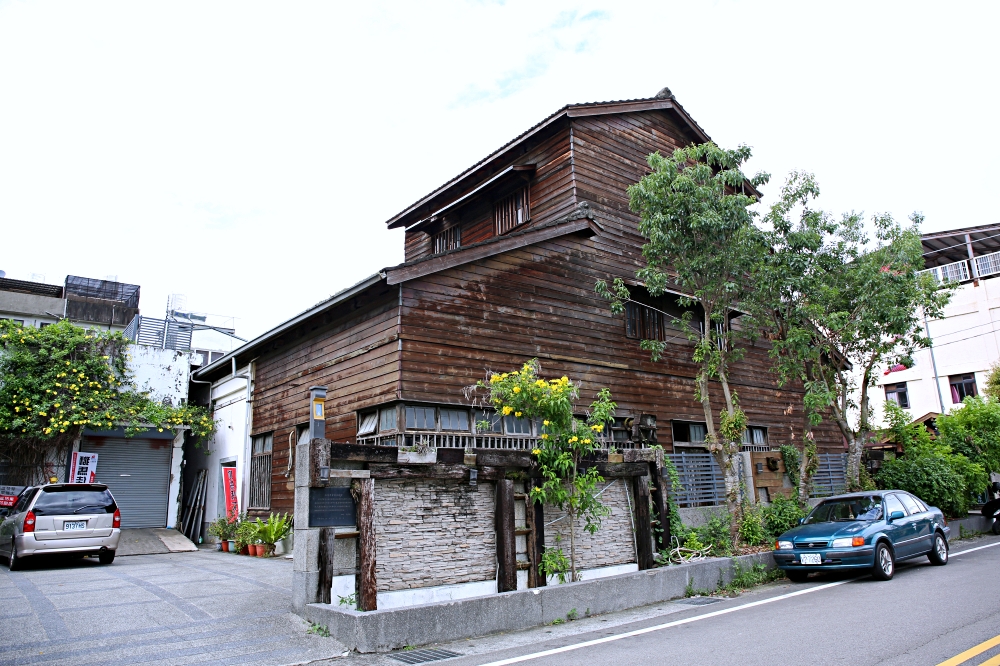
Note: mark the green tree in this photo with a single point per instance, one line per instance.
(565, 442)
(698, 223)
(58, 380)
(870, 314)
(974, 431)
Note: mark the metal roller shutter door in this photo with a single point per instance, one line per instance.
(137, 471)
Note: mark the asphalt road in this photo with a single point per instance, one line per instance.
(925, 615)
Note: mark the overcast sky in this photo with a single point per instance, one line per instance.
(247, 154)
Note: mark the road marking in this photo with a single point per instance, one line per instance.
(973, 651)
(658, 627)
(972, 550)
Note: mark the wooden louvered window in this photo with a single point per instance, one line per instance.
(643, 323)
(511, 211)
(449, 239)
(260, 472)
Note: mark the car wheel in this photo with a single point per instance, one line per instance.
(996, 526)
(106, 556)
(14, 563)
(939, 553)
(885, 562)
(797, 576)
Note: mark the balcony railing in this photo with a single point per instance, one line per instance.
(162, 333)
(960, 271)
(470, 441)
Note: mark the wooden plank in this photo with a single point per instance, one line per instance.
(618, 470)
(367, 584)
(643, 527)
(659, 497)
(503, 458)
(506, 543)
(359, 453)
(327, 535)
(438, 471)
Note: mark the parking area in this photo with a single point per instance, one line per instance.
(173, 608)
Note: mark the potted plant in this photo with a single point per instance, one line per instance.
(272, 531)
(614, 456)
(245, 534)
(220, 530)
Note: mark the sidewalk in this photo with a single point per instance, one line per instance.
(153, 541)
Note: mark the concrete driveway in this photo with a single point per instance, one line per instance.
(174, 608)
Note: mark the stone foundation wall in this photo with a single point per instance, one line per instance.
(613, 544)
(430, 533)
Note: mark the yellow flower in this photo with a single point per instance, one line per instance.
(574, 439)
(517, 414)
(586, 441)
(545, 423)
(545, 436)
(494, 379)
(597, 428)
(507, 409)
(503, 376)
(517, 389)
(536, 451)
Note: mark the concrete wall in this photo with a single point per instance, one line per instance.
(613, 544)
(966, 340)
(30, 308)
(430, 533)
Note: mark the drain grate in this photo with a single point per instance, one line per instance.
(698, 601)
(423, 656)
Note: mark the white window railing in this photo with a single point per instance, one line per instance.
(988, 264)
(955, 272)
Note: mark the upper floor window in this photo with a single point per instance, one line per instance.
(962, 387)
(420, 418)
(755, 436)
(449, 239)
(897, 393)
(643, 322)
(689, 433)
(511, 211)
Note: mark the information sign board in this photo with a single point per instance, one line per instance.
(331, 507)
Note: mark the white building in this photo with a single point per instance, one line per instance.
(966, 340)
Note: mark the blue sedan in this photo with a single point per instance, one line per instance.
(863, 531)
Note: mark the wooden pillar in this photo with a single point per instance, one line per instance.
(660, 505)
(367, 585)
(643, 526)
(327, 535)
(538, 537)
(506, 541)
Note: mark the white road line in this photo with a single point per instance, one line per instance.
(972, 550)
(667, 625)
(658, 627)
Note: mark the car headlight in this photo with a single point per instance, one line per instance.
(849, 542)
(783, 545)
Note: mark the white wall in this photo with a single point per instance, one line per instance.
(966, 340)
(164, 373)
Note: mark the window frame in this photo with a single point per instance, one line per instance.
(261, 470)
(960, 384)
(509, 213)
(892, 392)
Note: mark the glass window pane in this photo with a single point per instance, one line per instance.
(516, 426)
(760, 435)
(454, 419)
(387, 419)
(479, 416)
(420, 418)
(368, 423)
(57, 501)
(697, 431)
(911, 506)
(893, 504)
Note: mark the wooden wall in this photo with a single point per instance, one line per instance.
(355, 355)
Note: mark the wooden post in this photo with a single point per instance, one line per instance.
(660, 504)
(643, 527)
(538, 536)
(367, 584)
(506, 544)
(326, 540)
(531, 543)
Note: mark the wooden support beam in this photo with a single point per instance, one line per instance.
(619, 470)
(367, 585)
(453, 472)
(504, 458)
(326, 539)
(361, 453)
(506, 542)
(660, 506)
(643, 527)
(535, 518)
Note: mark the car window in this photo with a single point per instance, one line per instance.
(911, 506)
(893, 504)
(920, 503)
(849, 508)
(24, 500)
(63, 500)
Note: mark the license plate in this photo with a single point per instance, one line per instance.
(810, 558)
(75, 525)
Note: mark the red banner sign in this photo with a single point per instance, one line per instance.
(229, 485)
(8, 495)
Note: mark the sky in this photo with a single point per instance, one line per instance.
(247, 154)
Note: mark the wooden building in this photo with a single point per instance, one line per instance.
(500, 267)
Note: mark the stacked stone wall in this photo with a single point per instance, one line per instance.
(613, 544)
(430, 533)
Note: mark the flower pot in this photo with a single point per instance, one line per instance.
(232, 546)
(616, 457)
(268, 549)
(245, 550)
(225, 546)
(260, 550)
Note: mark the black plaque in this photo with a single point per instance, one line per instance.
(332, 507)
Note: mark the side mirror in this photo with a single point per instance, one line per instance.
(802, 521)
(896, 515)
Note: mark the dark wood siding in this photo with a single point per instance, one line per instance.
(355, 354)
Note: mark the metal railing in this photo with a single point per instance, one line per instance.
(955, 272)
(162, 333)
(260, 481)
(701, 480)
(469, 441)
(831, 476)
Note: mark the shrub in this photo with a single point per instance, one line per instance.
(715, 533)
(945, 480)
(751, 528)
(781, 516)
(974, 431)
